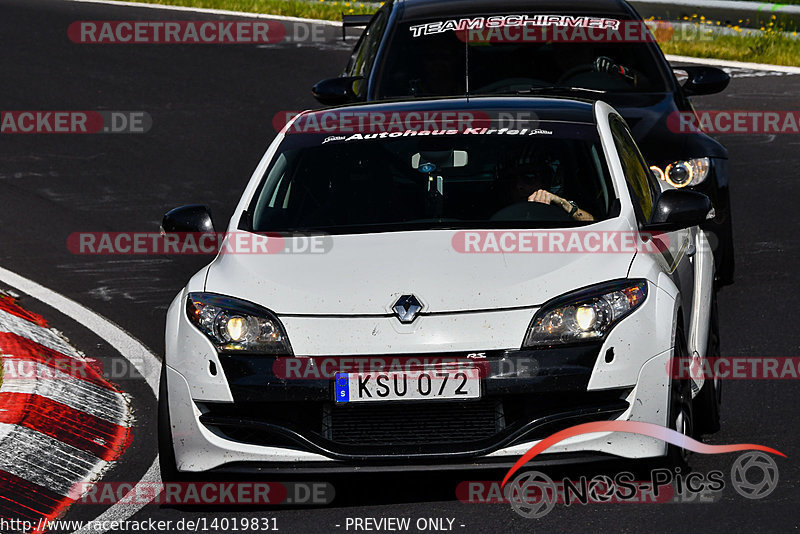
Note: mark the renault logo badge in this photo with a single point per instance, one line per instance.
(406, 308)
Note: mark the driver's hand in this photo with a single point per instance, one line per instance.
(546, 197)
(605, 64)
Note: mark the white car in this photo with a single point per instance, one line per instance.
(468, 292)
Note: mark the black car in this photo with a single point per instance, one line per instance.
(429, 48)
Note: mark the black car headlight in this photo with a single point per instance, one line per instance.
(235, 325)
(585, 315)
(684, 173)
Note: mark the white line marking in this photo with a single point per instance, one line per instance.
(81, 395)
(736, 64)
(211, 11)
(43, 336)
(122, 511)
(46, 461)
(131, 349)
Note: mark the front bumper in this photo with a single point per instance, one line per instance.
(526, 395)
(207, 437)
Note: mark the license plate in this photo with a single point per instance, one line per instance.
(444, 384)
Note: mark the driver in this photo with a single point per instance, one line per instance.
(528, 183)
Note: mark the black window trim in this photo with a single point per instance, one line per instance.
(654, 193)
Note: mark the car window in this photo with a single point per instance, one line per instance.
(420, 67)
(637, 173)
(448, 179)
(363, 57)
(434, 64)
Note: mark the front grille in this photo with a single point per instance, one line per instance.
(423, 423)
(381, 431)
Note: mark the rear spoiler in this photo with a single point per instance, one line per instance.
(354, 21)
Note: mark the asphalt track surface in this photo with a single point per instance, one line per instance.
(212, 109)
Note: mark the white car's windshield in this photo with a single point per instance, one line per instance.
(478, 177)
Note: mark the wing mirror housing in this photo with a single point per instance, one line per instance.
(191, 218)
(336, 91)
(677, 209)
(704, 80)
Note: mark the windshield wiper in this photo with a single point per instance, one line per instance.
(552, 89)
(560, 88)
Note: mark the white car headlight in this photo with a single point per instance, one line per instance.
(684, 173)
(585, 315)
(235, 325)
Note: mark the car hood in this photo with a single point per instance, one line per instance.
(365, 274)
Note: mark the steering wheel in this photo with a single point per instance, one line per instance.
(570, 73)
(531, 211)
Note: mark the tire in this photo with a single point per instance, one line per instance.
(166, 452)
(708, 402)
(681, 413)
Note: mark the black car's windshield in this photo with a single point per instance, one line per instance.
(422, 63)
(420, 179)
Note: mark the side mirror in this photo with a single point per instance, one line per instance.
(192, 218)
(335, 91)
(677, 209)
(704, 80)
